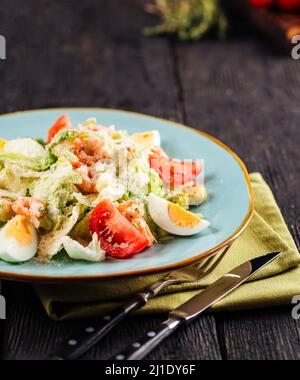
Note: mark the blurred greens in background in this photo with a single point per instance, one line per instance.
(188, 19)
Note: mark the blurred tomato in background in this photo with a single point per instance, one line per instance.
(285, 5)
(289, 5)
(261, 3)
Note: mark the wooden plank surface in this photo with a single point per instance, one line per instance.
(93, 54)
(249, 99)
(260, 335)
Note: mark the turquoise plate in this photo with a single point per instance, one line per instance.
(229, 207)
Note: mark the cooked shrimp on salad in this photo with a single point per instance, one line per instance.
(93, 192)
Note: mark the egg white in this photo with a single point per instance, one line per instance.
(156, 138)
(148, 139)
(159, 212)
(12, 249)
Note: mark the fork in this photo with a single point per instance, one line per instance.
(84, 339)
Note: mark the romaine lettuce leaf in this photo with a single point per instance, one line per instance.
(62, 144)
(155, 184)
(9, 195)
(62, 136)
(29, 147)
(12, 180)
(89, 201)
(56, 187)
(77, 251)
(26, 153)
(81, 231)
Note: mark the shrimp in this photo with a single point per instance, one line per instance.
(31, 208)
(89, 178)
(134, 211)
(89, 150)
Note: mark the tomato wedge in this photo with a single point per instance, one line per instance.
(63, 123)
(117, 236)
(174, 172)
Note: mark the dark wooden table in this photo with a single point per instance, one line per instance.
(92, 53)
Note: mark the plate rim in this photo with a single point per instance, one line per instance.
(227, 242)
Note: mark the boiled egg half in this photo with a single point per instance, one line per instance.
(18, 240)
(147, 140)
(173, 218)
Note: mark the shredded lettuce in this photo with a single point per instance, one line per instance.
(197, 193)
(9, 195)
(61, 145)
(110, 187)
(159, 234)
(65, 135)
(119, 135)
(181, 198)
(56, 187)
(6, 212)
(39, 164)
(15, 179)
(155, 184)
(52, 243)
(138, 176)
(81, 230)
(64, 150)
(87, 200)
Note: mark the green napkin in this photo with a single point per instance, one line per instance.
(276, 284)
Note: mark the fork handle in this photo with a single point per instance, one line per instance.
(78, 343)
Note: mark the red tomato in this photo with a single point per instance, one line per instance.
(288, 5)
(261, 3)
(63, 123)
(174, 172)
(117, 236)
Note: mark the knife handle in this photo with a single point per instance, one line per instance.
(84, 339)
(141, 347)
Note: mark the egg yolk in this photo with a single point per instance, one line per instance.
(181, 217)
(2, 144)
(20, 230)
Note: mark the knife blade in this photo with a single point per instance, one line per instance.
(191, 309)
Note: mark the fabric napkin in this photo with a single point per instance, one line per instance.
(276, 284)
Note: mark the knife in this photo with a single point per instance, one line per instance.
(191, 309)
